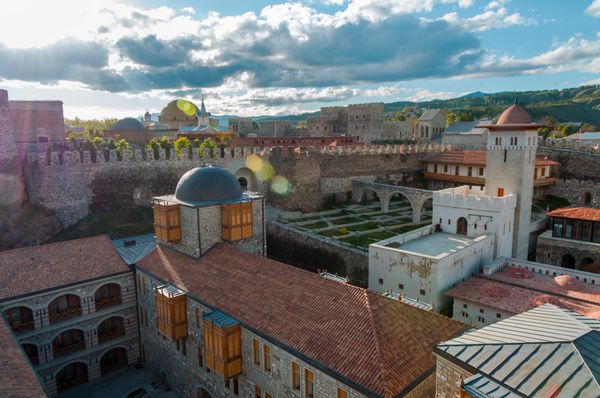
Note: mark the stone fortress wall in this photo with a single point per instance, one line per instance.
(72, 183)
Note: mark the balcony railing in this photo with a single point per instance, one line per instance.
(542, 182)
(454, 178)
(22, 326)
(106, 335)
(66, 384)
(64, 315)
(62, 351)
(106, 303)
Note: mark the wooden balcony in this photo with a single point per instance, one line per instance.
(106, 335)
(106, 303)
(19, 327)
(544, 182)
(64, 315)
(454, 178)
(62, 351)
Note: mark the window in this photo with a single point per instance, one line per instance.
(422, 291)
(295, 375)
(481, 171)
(256, 352)
(445, 168)
(481, 311)
(309, 384)
(480, 319)
(470, 171)
(257, 392)
(500, 192)
(198, 317)
(516, 141)
(267, 358)
(181, 346)
(381, 281)
(464, 306)
(200, 358)
(505, 154)
(456, 170)
(464, 314)
(498, 316)
(341, 393)
(235, 385)
(401, 286)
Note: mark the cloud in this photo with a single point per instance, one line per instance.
(426, 95)
(189, 10)
(594, 9)
(493, 18)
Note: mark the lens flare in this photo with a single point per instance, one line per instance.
(262, 168)
(280, 185)
(253, 162)
(186, 107)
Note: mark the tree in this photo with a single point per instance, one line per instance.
(544, 132)
(154, 144)
(210, 144)
(181, 144)
(121, 147)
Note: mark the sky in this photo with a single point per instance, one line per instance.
(115, 58)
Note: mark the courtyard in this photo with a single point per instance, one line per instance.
(360, 224)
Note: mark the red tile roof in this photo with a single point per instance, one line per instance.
(578, 213)
(475, 158)
(30, 269)
(514, 290)
(17, 378)
(377, 344)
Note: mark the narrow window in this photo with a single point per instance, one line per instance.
(197, 317)
(257, 392)
(422, 291)
(267, 358)
(516, 141)
(464, 306)
(401, 286)
(236, 386)
(498, 316)
(309, 386)
(341, 393)
(295, 375)
(200, 358)
(481, 171)
(256, 346)
(381, 281)
(505, 153)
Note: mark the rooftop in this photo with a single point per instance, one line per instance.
(517, 290)
(476, 158)
(545, 352)
(438, 244)
(29, 270)
(577, 213)
(133, 249)
(375, 344)
(429, 114)
(17, 378)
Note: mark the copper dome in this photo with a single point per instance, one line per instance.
(514, 114)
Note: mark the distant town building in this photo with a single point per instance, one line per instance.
(332, 121)
(545, 352)
(362, 120)
(37, 121)
(241, 126)
(430, 125)
(466, 135)
(274, 128)
(398, 130)
(173, 117)
(584, 139)
(573, 240)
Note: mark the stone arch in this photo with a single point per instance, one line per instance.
(567, 261)
(587, 198)
(362, 196)
(110, 328)
(67, 341)
(248, 175)
(585, 262)
(20, 318)
(113, 359)
(71, 375)
(385, 202)
(107, 295)
(426, 203)
(32, 352)
(202, 392)
(462, 226)
(63, 307)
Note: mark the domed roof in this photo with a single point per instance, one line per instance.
(129, 123)
(208, 184)
(179, 108)
(514, 114)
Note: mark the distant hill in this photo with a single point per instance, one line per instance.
(476, 94)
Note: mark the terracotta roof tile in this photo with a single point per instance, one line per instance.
(578, 213)
(17, 378)
(516, 291)
(378, 344)
(476, 158)
(30, 269)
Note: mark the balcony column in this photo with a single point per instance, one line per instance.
(48, 353)
(90, 338)
(88, 305)
(41, 317)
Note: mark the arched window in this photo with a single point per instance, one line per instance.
(20, 318)
(110, 328)
(107, 296)
(71, 375)
(32, 352)
(243, 183)
(585, 263)
(567, 261)
(113, 360)
(68, 341)
(587, 198)
(461, 226)
(64, 307)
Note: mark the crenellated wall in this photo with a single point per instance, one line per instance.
(72, 183)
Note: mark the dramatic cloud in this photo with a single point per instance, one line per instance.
(594, 9)
(490, 19)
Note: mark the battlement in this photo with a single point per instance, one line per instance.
(473, 198)
(43, 158)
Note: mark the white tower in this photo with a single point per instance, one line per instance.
(511, 150)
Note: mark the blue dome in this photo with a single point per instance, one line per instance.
(129, 123)
(208, 184)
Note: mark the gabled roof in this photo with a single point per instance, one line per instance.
(544, 352)
(576, 213)
(374, 344)
(460, 128)
(430, 114)
(28, 270)
(17, 378)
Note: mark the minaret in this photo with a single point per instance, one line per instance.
(511, 150)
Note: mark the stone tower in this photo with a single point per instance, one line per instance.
(8, 147)
(511, 150)
(11, 181)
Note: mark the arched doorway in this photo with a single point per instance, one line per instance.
(71, 375)
(112, 360)
(107, 296)
(110, 328)
(567, 261)
(461, 226)
(243, 183)
(587, 198)
(202, 393)
(247, 179)
(585, 262)
(64, 307)
(20, 318)
(67, 342)
(32, 353)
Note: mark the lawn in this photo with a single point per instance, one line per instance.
(332, 232)
(346, 220)
(316, 225)
(363, 227)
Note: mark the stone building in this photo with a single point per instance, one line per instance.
(430, 125)
(507, 287)
(241, 126)
(331, 121)
(362, 120)
(221, 320)
(458, 167)
(36, 121)
(466, 135)
(179, 113)
(573, 240)
(547, 351)
(72, 308)
(274, 128)
(399, 130)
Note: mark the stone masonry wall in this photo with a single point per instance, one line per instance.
(448, 377)
(551, 250)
